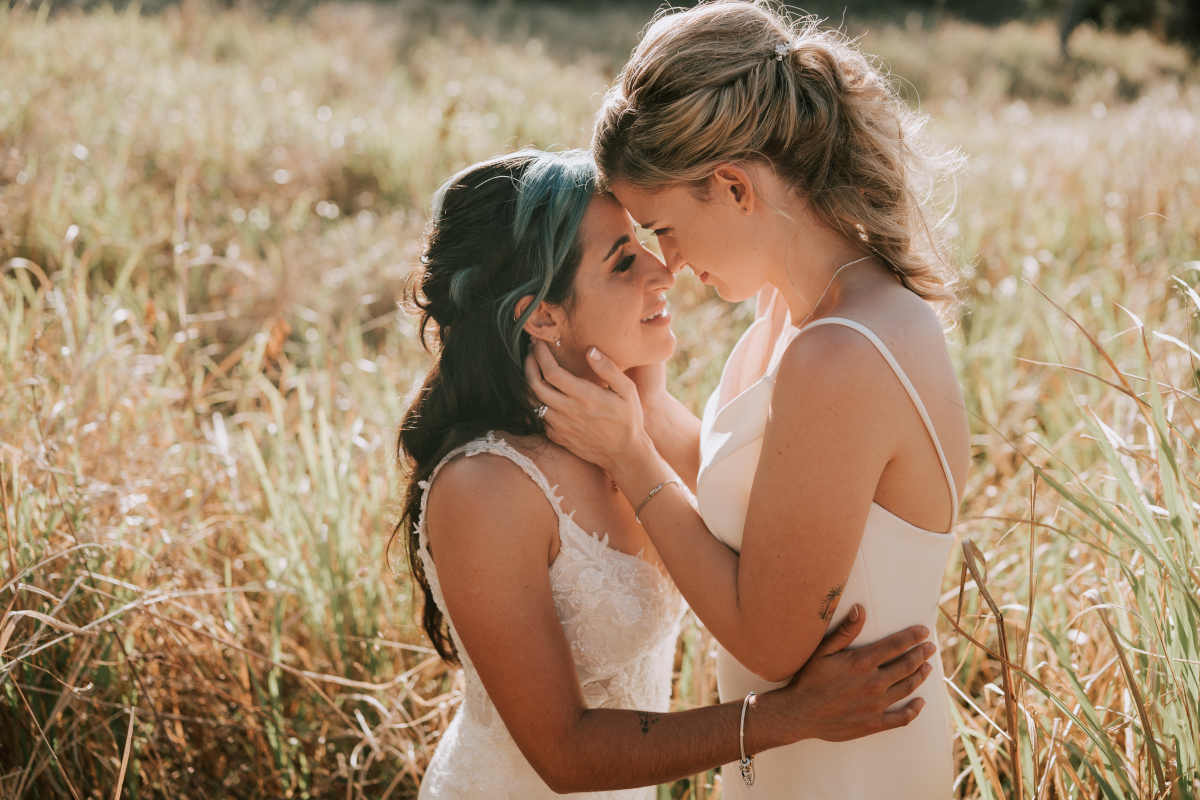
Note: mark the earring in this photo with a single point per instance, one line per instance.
(558, 342)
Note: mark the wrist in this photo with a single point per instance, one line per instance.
(772, 722)
(640, 469)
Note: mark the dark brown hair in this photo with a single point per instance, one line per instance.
(501, 230)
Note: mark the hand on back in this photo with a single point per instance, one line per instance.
(845, 692)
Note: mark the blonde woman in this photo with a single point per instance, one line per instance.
(537, 578)
(773, 159)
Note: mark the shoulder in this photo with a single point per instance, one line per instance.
(475, 497)
(906, 326)
(828, 357)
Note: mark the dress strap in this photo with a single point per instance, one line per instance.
(494, 445)
(913, 395)
(491, 443)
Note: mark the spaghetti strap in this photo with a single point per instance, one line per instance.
(902, 376)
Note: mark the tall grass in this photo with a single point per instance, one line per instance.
(205, 220)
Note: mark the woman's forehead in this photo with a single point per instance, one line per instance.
(604, 220)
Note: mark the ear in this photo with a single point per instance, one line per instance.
(547, 321)
(732, 184)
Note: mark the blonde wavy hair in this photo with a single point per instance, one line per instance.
(738, 80)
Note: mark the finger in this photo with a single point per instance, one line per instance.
(558, 378)
(902, 689)
(607, 371)
(903, 715)
(894, 646)
(908, 663)
(845, 633)
(544, 392)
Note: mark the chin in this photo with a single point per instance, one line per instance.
(654, 353)
(732, 296)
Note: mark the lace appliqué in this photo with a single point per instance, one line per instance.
(621, 617)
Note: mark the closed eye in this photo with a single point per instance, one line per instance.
(624, 264)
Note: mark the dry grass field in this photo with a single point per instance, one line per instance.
(205, 221)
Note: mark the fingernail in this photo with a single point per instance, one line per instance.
(930, 649)
(855, 613)
(923, 631)
(593, 354)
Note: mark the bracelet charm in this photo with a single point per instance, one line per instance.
(746, 763)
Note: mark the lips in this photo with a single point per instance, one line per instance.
(657, 315)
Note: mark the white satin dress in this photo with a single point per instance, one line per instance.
(897, 576)
(621, 616)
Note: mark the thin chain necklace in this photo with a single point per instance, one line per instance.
(825, 291)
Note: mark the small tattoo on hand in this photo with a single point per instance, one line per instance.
(646, 720)
(830, 602)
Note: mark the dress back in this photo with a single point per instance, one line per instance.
(897, 576)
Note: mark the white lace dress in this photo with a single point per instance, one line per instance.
(621, 616)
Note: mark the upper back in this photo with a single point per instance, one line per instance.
(918, 389)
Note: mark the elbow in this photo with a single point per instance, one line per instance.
(775, 675)
(558, 766)
(779, 666)
(565, 778)
(556, 772)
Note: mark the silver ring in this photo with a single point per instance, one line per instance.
(540, 411)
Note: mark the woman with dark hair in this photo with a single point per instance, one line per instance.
(775, 160)
(537, 576)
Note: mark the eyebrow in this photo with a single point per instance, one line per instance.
(616, 245)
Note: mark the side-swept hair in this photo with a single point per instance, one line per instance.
(501, 230)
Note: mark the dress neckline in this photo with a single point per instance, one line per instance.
(767, 371)
(566, 519)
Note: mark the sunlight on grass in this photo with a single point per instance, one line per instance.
(206, 219)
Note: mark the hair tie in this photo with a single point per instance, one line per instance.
(785, 49)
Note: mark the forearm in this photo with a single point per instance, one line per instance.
(675, 431)
(619, 749)
(705, 570)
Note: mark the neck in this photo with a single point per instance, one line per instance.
(808, 279)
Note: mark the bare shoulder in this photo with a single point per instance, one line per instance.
(839, 366)
(827, 358)
(908, 326)
(478, 500)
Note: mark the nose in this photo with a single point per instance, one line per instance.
(674, 261)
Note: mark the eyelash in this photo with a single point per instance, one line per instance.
(624, 264)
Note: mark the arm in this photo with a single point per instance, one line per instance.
(672, 427)
(826, 444)
(497, 590)
(675, 431)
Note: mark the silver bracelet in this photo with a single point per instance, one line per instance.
(747, 762)
(637, 512)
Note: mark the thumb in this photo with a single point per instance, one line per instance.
(846, 632)
(607, 371)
